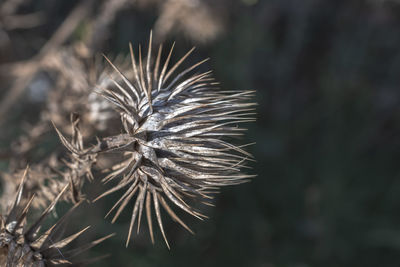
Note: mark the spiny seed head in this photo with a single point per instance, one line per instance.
(22, 243)
(80, 162)
(176, 130)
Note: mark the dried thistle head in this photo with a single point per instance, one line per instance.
(22, 243)
(175, 141)
(48, 177)
(80, 161)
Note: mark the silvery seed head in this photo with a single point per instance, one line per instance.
(177, 128)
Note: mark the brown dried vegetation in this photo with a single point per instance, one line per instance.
(166, 132)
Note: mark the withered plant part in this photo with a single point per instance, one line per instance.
(175, 136)
(75, 75)
(41, 179)
(23, 243)
(75, 78)
(48, 177)
(80, 162)
(69, 93)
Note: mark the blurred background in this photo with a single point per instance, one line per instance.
(327, 134)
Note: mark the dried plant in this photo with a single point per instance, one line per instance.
(75, 78)
(41, 179)
(24, 244)
(173, 141)
(167, 136)
(76, 74)
(79, 164)
(49, 176)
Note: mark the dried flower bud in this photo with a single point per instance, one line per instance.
(175, 137)
(79, 165)
(23, 244)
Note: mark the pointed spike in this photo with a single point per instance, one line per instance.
(145, 90)
(123, 205)
(126, 81)
(18, 196)
(135, 71)
(148, 74)
(141, 71)
(65, 142)
(23, 214)
(181, 74)
(51, 234)
(177, 64)
(112, 190)
(172, 195)
(143, 198)
(161, 80)
(124, 196)
(157, 64)
(187, 83)
(133, 218)
(158, 215)
(173, 215)
(67, 240)
(76, 251)
(148, 214)
(46, 212)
